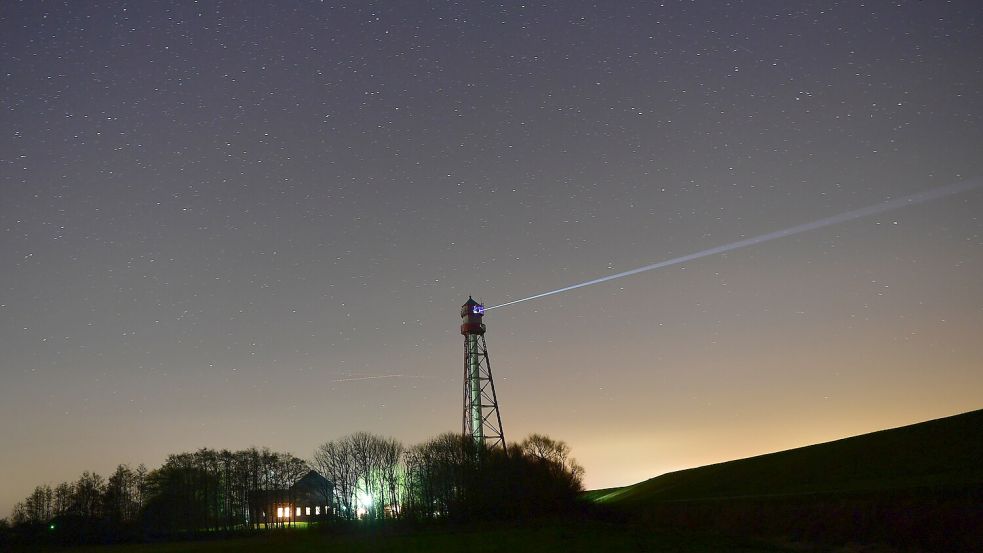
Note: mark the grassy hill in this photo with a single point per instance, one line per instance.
(919, 485)
(942, 453)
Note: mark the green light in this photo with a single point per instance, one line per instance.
(51, 527)
(363, 502)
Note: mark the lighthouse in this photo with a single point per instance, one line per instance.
(482, 421)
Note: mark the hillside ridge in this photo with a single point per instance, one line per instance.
(939, 454)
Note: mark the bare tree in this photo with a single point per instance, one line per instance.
(89, 490)
(36, 508)
(438, 474)
(366, 471)
(390, 472)
(291, 469)
(334, 460)
(122, 497)
(554, 453)
(363, 451)
(64, 496)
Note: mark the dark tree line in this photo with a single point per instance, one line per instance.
(90, 497)
(448, 477)
(211, 490)
(203, 491)
(84, 510)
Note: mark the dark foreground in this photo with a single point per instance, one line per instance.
(558, 537)
(917, 488)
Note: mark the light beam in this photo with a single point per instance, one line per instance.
(889, 205)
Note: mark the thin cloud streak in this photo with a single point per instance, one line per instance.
(376, 377)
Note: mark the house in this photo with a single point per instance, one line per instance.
(309, 499)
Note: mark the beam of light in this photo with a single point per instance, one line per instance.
(376, 377)
(889, 205)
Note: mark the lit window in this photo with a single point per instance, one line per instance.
(317, 510)
(308, 511)
(298, 511)
(279, 512)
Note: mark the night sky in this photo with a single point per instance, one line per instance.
(226, 224)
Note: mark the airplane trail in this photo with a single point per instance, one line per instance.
(889, 205)
(376, 377)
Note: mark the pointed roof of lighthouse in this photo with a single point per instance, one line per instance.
(470, 302)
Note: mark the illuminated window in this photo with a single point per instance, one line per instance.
(279, 512)
(308, 511)
(317, 510)
(298, 511)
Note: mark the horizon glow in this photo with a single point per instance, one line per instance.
(889, 205)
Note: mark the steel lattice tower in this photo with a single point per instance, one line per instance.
(482, 420)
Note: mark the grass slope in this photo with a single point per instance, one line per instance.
(939, 455)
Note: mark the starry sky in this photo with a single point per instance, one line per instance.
(228, 224)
